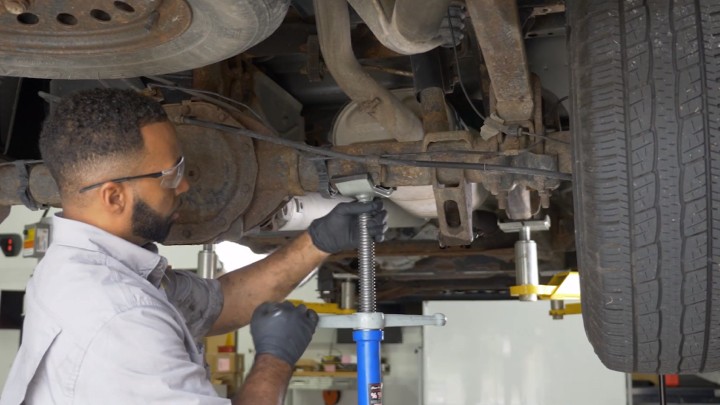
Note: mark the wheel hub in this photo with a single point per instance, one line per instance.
(90, 26)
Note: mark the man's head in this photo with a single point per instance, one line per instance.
(117, 162)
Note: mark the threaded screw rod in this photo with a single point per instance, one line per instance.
(366, 261)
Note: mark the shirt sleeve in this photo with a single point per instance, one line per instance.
(199, 300)
(140, 356)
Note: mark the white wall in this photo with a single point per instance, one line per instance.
(9, 343)
(513, 353)
(14, 275)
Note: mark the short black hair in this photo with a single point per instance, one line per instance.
(92, 126)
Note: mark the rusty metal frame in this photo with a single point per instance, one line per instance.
(394, 176)
(497, 28)
(453, 194)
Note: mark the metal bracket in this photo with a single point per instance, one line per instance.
(378, 320)
(511, 227)
(453, 194)
(323, 177)
(494, 125)
(360, 187)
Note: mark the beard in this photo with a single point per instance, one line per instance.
(149, 224)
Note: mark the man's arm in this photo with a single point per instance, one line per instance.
(274, 277)
(266, 383)
(281, 332)
(270, 279)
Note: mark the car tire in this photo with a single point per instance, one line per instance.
(121, 41)
(645, 79)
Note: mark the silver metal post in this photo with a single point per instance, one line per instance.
(348, 294)
(526, 263)
(662, 388)
(207, 261)
(557, 305)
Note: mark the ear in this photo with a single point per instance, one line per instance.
(116, 198)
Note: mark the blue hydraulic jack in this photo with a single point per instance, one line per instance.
(368, 324)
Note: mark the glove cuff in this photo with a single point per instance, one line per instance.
(275, 355)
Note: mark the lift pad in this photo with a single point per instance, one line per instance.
(562, 286)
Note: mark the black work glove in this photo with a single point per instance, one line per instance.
(282, 330)
(339, 230)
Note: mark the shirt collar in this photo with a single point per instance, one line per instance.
(146, 262)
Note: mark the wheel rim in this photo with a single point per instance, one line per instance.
(90, 26)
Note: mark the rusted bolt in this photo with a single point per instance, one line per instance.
(502, 201)
(544, 199)
(17, 7)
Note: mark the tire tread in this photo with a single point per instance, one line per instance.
(645, 79)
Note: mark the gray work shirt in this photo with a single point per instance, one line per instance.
(106, 322)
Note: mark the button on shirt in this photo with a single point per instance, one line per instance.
(106, 322)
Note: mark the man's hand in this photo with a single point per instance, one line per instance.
(339, 230)
(282, 330)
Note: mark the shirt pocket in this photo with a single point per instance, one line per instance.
(39, 333)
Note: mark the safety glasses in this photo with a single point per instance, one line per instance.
(169, 178)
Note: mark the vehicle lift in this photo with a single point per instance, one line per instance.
(562, 286)
(368, 324)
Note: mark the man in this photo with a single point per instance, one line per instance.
(106, 320)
